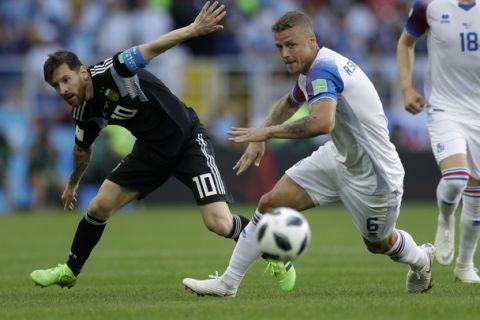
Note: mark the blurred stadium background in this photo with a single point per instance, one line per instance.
(230, 78)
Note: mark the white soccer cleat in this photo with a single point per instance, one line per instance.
(466, 273)
(445, 240)
(210, 287)
(421, 281)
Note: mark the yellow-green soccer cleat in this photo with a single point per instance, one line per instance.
(284, 272)
(60, 275)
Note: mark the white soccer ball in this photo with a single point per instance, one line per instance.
(283, 234)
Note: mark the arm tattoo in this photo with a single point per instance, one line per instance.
(292, 103)
(81, 159)
(302, 128)
(279, 115)
(297, 127)
(284, 110)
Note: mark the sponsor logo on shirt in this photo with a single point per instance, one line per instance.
(319, 86)
(445, 18)
(112, 95)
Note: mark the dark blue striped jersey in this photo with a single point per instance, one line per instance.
(140, 102)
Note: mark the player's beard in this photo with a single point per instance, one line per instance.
(293, 68)
(79, 98)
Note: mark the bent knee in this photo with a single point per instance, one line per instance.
(266, 203)
(100, 210)
(221, 226)
(375, 248)
(455, 186)
(378, 247)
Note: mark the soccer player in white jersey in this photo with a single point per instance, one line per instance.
(359, 166)
(452, 102)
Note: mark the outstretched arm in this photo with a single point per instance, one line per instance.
(321, 120)
(284, 109)
(413, 100)
(254, 152)
(206, 22)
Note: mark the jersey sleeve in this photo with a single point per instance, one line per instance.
(120, 67)
(128, 62)
(86, 133)
(297, 93)
(323, 81)
(416, 23)
(126, 78)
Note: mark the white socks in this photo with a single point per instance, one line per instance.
(469, 225)
(450, 189)
(405, 250)
(244, 254)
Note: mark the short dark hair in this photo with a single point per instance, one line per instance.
(292, 19)
(58, 58)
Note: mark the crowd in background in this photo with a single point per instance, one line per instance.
(95, 29)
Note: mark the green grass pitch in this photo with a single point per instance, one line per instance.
(136, 271)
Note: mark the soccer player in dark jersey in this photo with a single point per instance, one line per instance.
(170, 140)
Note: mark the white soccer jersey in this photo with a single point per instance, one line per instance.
(453, 37)
(360, 123)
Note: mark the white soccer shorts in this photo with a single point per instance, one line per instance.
(449, 136)
(326, 180)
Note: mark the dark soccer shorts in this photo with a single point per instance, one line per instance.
(144, 170)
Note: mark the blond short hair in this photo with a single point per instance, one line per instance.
(292, 19)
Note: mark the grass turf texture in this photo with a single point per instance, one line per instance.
(136, 271)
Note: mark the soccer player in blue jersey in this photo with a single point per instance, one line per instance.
(452, 102)
(170, 140)
(359, 166)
